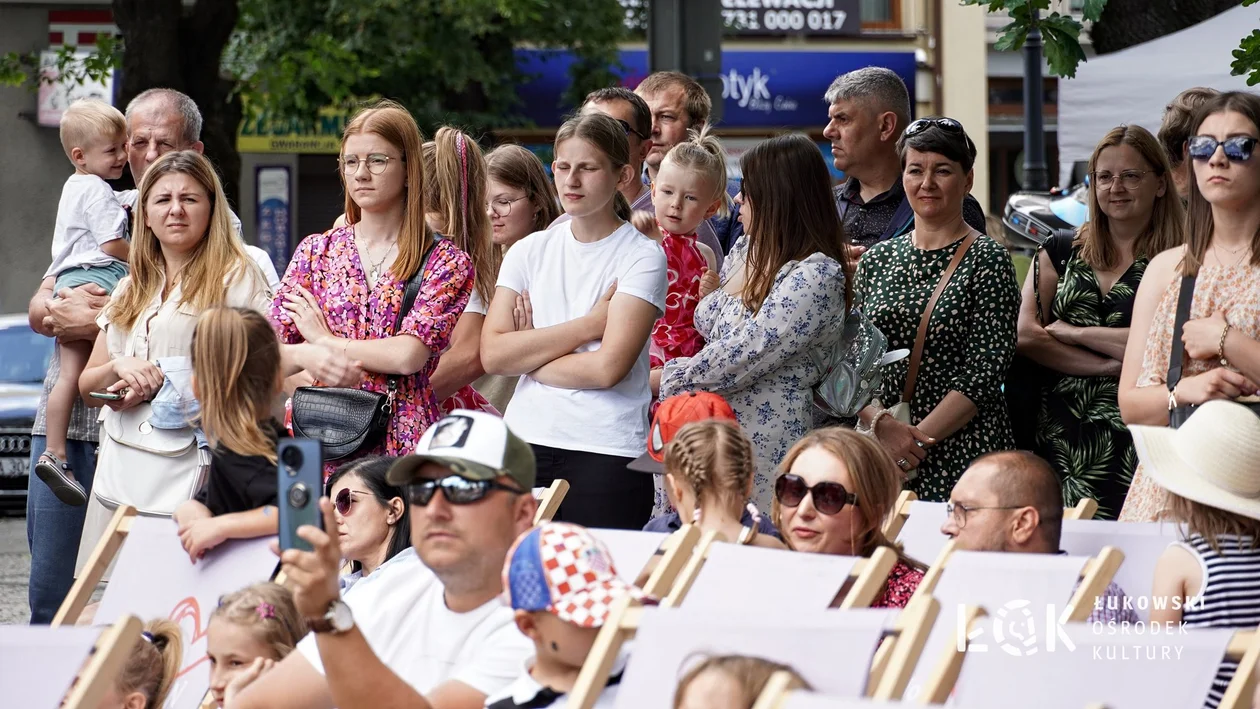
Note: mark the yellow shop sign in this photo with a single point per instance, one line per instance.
(265, 135)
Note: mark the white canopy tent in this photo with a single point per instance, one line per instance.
(1132, 86)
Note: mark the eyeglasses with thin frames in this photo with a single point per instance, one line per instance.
(502, 207)
(1129, 178)
(344, 500)
(959, 512)
(376, 163)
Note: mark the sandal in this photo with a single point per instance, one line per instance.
(59, 477)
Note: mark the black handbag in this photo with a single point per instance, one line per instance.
(347, 421)
(1026, 380)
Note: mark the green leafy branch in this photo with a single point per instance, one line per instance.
(23, 68)
(1060, 33)
(1247, 56)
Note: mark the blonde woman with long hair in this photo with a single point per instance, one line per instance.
(185, 259)
(1076, 309)
(236, 376)
(455, 193)
(835, 489)
(1220, 261)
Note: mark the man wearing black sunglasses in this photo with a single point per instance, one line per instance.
(1012, 501)
(426, 629)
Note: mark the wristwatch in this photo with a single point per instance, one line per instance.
(337, 620)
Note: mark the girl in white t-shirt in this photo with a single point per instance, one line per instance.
(455, 195)
(573, 310)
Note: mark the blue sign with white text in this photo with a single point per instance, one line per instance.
(760, 89)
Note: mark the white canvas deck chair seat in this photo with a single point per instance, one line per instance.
(1121, 671)
(780, 693)
(916, 525)
(1141, 542)
(638, 549)
(1014, 590)
(39, 664)
(153, 578)
(549, 499)
(737, 577)
(841, 650)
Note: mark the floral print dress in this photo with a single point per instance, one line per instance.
(1234, 290)
(1079, 430)
(969, 346)
(760, 362)
(328, 266)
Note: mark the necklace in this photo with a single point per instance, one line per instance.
(374, 267)
(1237, 261)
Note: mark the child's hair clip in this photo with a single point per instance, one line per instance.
(147, 636)
(266, 610)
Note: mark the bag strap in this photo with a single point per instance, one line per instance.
(1184, 300)
(916, 354)
(410, 293)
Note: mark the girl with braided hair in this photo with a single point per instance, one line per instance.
(709, 474)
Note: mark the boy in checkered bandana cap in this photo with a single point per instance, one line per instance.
(562, 584)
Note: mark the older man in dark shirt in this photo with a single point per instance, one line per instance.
(869, 108)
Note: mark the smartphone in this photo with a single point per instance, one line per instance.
(107, 395)
(300, 485)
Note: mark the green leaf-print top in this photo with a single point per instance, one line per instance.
(1078, 426)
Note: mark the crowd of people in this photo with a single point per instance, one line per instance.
(642, 328)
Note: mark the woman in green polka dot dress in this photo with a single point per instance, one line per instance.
(957, 412)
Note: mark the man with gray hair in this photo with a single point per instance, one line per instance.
(869, 109)
(158, 122)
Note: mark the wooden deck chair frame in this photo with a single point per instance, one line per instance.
(551, 500)
(1096, 575)
(868, 575)
(109, 654)
(1085, 509)
(106, 549)
(1245, 648)
(893, 665)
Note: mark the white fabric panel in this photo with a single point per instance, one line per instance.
(630, 550)
(1141, 542)
(39, 662)
(812, 700)
(1019, 591)
(1118, 671)
(921, 536)
(738, 577)
(831, 649)
(1132, 86)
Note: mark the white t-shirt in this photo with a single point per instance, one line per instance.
(402, 613)
(88, 216)
(565, 278)
(260, 257)
(476, 304)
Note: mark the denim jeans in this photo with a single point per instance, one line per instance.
(53, 529)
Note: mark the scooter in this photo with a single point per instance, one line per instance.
(1033, 217)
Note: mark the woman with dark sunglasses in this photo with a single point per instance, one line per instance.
(373, 519)
(1220, 261)
(835, 490)
(946, 398)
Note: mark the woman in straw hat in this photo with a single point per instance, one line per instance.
(1211, 470)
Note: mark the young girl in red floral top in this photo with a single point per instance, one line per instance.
(690, 187)
(834, 491)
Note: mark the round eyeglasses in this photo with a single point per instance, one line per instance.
(502, 206)
(376, 163)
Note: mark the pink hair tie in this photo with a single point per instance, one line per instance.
(463, 178)
(755, 513)
(266, 610)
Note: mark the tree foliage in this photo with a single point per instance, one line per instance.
(1247, 56)
(1060, 33)
(23, 68)
(446, 60)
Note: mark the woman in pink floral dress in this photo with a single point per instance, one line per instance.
(343, 289)
(1222, 251)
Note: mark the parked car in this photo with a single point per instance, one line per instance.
(24, 356)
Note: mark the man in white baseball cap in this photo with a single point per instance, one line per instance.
(427, 627)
